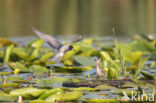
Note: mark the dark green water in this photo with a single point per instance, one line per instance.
(96, 17)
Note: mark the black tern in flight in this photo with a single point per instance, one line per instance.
(61, 49)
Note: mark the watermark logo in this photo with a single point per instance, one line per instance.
(137, 97)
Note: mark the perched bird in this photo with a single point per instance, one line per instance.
(99, 71)
(61, 49)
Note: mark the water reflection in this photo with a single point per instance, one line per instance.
(77, 16)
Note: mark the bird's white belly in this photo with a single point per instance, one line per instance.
(61, 54)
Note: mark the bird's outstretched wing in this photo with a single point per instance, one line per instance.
(49, 39)
(79, 38)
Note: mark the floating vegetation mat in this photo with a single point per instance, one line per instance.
(29, 74)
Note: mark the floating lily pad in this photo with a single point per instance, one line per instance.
(12, 85)
(104, 87)
(28, 93)
(47, 56)
(5, 42)
(5, 73)
(85, 61)
(105, 55)
(83, 89)
(102, 101)
(19, 66)
(36, 69)
(8, 51)
(6, 97)
(70, 69)
(38, 101)
(50, 92)
(54, 97)
(37, 43)
(48, 83)
(14, 78)
(69, 96)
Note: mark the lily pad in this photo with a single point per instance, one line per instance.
(5, 42)
(14, 78)
(28, 93)
(54, 97)
(49, 82)
(5, 73)
(50, 92)
(104, 87)
(11, 85)
(46, 56)
(8, 51)
(83, 89)
(36, 69)
(19, 66)
(6, 97)
(38, 101)
(69, 96)
(102, 101)
(70, 69)
(37, 43)
(85, 61)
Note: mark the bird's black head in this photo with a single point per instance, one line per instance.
(70, 47)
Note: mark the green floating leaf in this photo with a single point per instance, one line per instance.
(83, 89)
(47, 56)
(50, 92)
(105, 55)
(85, 61)
(82, 46)
(37, 43)
(104, 87)
(143, 45)
(34, 54)
(7, 53)
(21, 53)
(88, 41)
(69, 54)
(12, 85)
(112, 73)
(36, 69)
(14, 78)
(5, 73)
(128, 85)
(140, 65)
(133, 57)
(69, 96)
(48, 83)
(102, 101)
(54, 97)
(5, 42)
(147, 75)
(19, 66)
(38, 101)
(28, 93)
(128, 54)
(6, 97)
(70, 69)
(127, 91)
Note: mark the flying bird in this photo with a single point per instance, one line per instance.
(99, 71)
(55, 44)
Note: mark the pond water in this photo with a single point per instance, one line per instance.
(96, 17)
